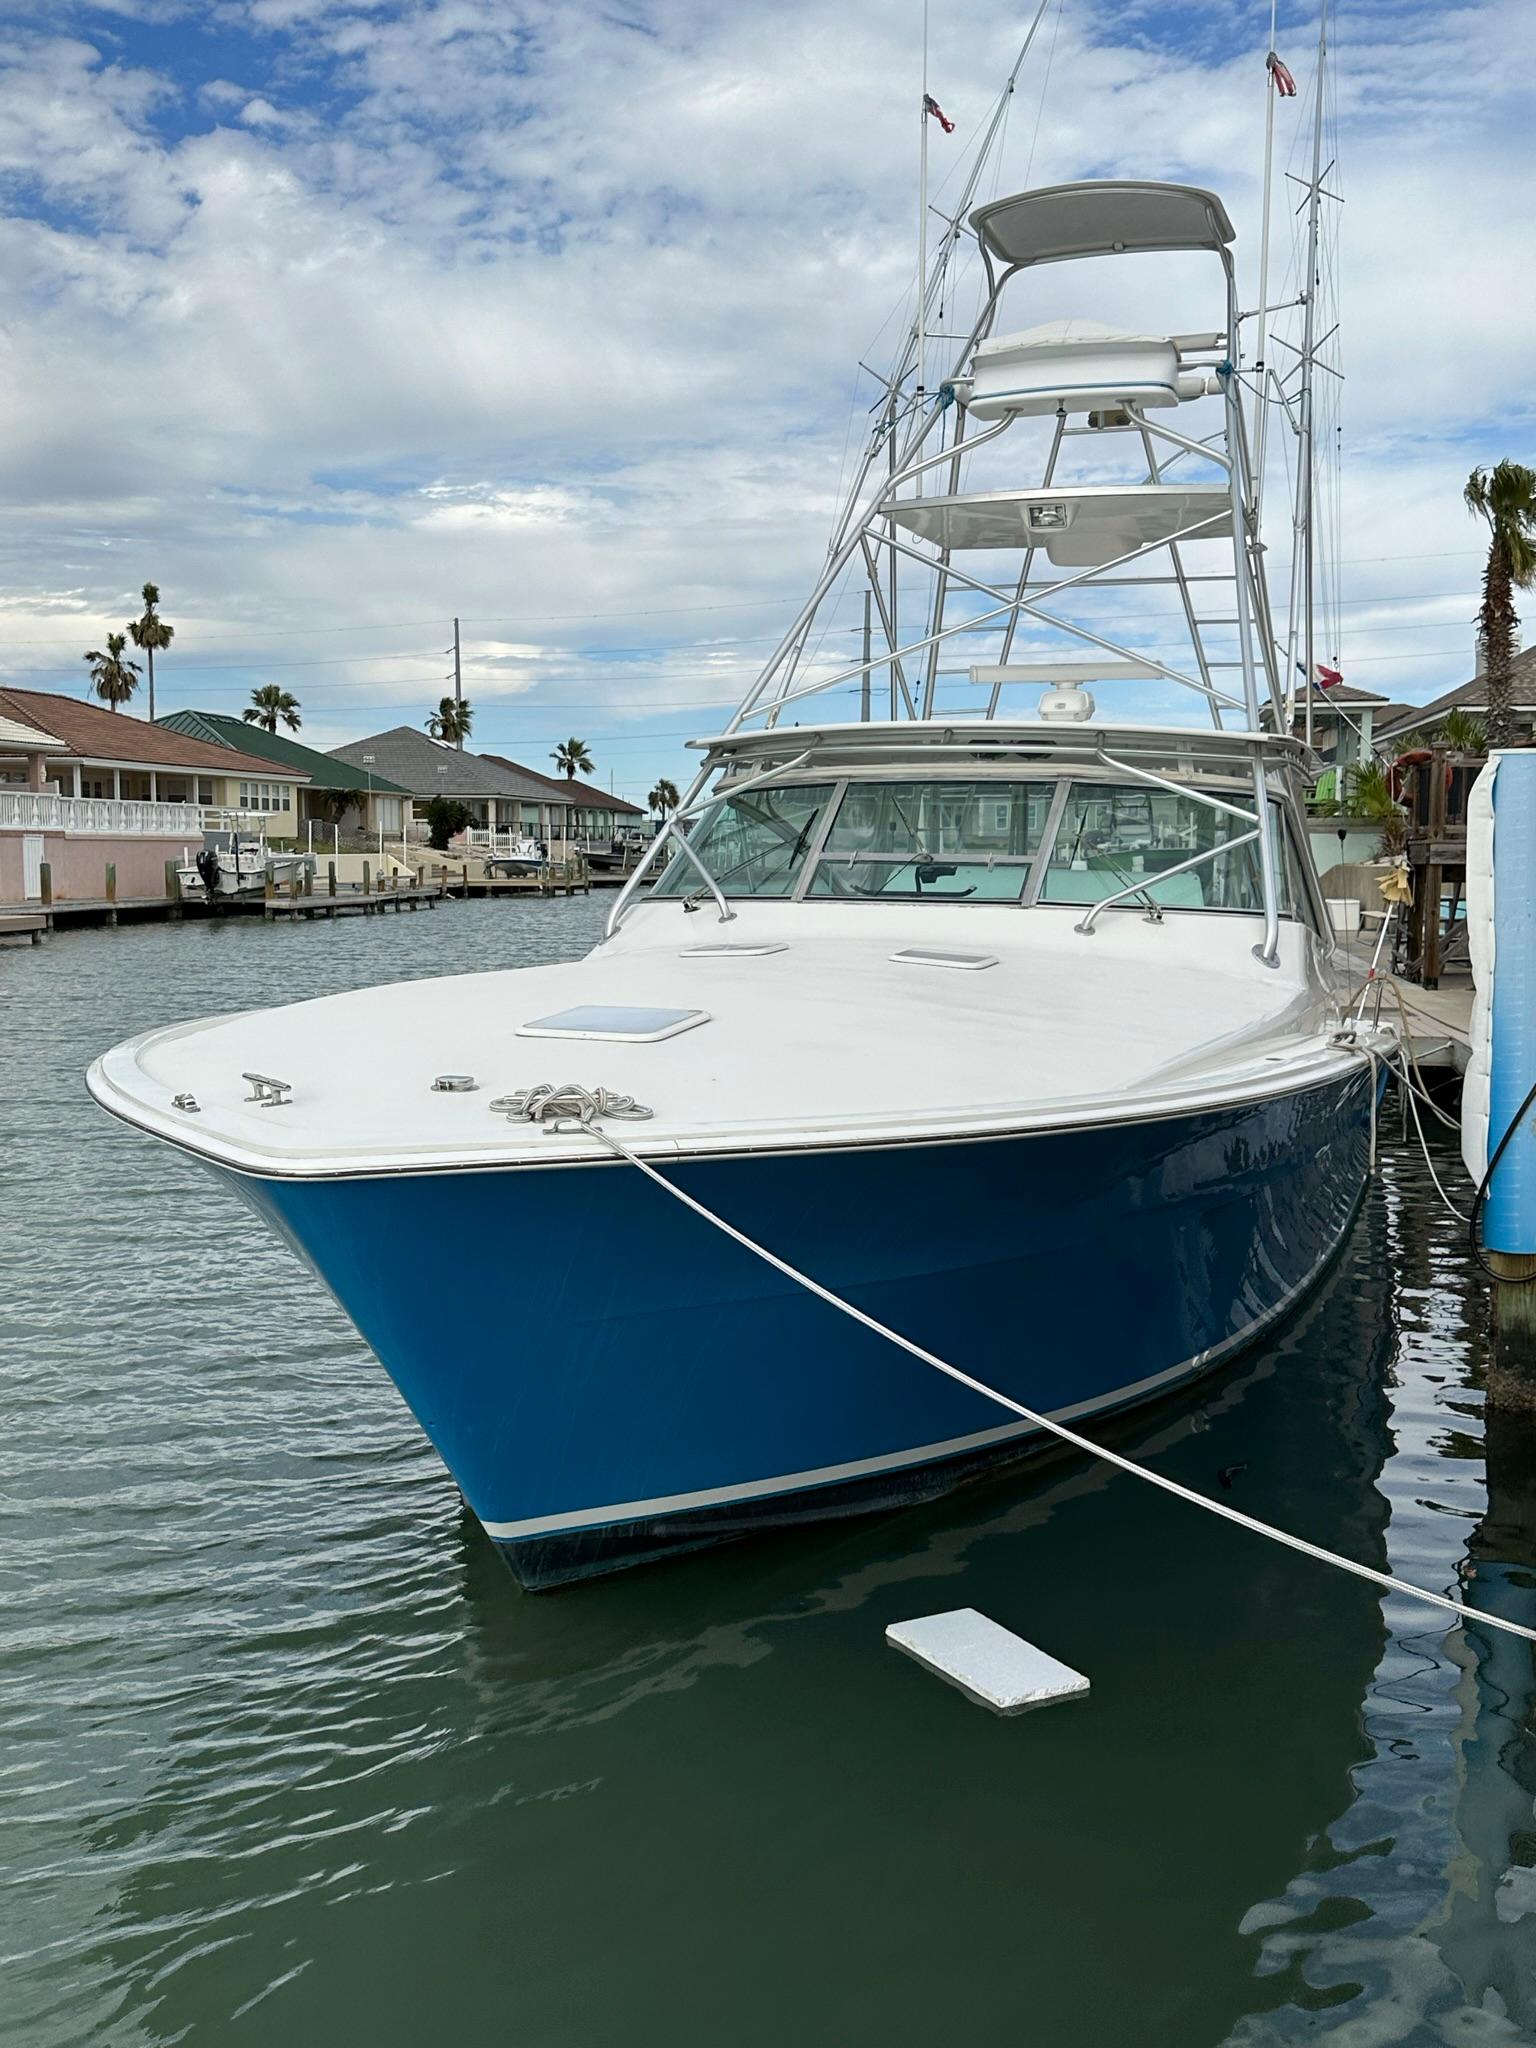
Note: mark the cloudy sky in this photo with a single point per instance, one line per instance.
(339, 317)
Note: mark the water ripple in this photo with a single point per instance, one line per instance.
(287, 1757)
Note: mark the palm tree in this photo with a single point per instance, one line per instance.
(112, 678)
(271, 703)
(572, 759)
(1463, 732)
(451, 720)
(151, 632)
(663, 798)
(1367, 795)
(1506, 497)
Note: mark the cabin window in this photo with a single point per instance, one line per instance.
(1115, 836)
(916, 841)
(753, 844)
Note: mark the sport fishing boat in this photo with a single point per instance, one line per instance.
(1012, 1021)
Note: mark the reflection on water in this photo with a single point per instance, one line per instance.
(1399, 1925)
(288, 1758)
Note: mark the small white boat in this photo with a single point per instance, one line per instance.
(236, 864)
(511, 854)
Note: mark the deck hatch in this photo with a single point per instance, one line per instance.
(743, 950)
(927, 956)
(613, 1021)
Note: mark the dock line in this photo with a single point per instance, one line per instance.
(1059, 1430)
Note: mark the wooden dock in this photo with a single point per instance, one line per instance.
(309, 896)
(1436, 1022)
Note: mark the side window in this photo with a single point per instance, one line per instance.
(754, 844)
(1116, 836)
(1295, 897)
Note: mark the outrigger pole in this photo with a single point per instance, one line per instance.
(1303, 556)
(854, 508)
(922, 217)
(1261, 362)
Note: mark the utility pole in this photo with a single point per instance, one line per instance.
(458, 684)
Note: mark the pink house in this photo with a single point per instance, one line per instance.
(83, 788)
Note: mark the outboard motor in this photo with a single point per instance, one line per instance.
(207, 865)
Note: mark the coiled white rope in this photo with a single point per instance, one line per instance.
(1044, 1422)
(568, 1106)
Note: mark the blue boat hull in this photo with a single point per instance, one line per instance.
(608, 1378)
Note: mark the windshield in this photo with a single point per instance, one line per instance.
(910, 840)
(985, 841)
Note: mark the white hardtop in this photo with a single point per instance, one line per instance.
(821, 1037)
(1101, 217)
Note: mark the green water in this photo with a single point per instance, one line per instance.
(287, 1759)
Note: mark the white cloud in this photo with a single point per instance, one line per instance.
(542, 313)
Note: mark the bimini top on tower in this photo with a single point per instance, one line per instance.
(1110, 217)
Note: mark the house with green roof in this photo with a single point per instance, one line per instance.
(338, 794)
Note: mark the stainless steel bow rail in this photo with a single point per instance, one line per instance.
(585, 1106)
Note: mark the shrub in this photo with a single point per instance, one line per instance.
(445, 816)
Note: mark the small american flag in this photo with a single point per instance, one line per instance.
(931, 106)
(1285, 85)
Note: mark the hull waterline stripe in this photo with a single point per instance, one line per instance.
(1059, 1430)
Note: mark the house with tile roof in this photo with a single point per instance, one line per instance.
(84, 789)
(338, 798)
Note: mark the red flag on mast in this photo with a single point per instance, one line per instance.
(931, 106)
(1285, 85)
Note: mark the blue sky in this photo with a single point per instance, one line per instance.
(336, 319)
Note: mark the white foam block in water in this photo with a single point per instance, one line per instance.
(989, 1663)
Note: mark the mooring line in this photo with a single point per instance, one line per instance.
(1045, 1422)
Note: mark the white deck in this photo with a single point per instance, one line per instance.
(826, 1040)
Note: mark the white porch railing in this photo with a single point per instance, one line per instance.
(25, 810)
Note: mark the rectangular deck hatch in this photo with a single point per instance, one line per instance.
(726, 949)
(613, 1021)
(926, 956)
